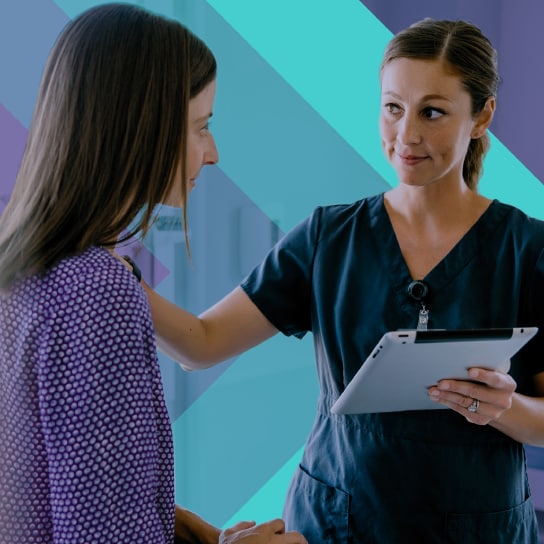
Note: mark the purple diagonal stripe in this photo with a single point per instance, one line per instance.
(12, 144)
(153, 271)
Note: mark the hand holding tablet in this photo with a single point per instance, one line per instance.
(401, 367)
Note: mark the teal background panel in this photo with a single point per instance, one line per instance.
(296, 124)
(234, 439)
(265, 502)
(272, 142)
(507, 179)
(330, 53)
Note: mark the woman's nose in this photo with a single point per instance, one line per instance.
(409, 130)
(211, 155)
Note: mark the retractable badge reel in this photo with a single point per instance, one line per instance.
(418, 290)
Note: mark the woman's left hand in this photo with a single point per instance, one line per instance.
(479, 401)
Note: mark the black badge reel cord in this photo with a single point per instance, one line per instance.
(418, 290)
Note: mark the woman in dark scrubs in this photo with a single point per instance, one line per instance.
(436, 476)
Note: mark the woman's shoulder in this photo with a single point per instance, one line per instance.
(517, 219)
(342, 212)
(93, 277)
(334, 219)
(338, 216)
(92, 288)
(95, 266)
(509, 226)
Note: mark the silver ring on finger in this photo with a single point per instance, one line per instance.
(473, 408)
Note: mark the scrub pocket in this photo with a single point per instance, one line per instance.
(517, 525)
(316, 509)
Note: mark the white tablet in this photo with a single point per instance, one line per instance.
(401, 367)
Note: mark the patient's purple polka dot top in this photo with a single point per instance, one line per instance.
(85, 438)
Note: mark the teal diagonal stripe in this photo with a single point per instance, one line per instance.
(509, 180)
(273, 143)
(329, 52)
(244, 429)
(267, 502)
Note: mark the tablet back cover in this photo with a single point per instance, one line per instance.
(397, 373)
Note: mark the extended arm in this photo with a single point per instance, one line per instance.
(230, 327)
(524, 421)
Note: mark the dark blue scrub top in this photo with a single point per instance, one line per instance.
(416, 476)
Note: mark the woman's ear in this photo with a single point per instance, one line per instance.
(483, 119)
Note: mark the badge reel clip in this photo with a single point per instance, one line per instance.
(417, 291)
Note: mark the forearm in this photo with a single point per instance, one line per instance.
(180, 334)
(192, 529)
(524, 421)
(230, 327)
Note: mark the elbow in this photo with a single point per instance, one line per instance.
(181, 358)
(187, 359)
(188, 365)
(536, 440)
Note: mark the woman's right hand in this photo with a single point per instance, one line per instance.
(271, 532)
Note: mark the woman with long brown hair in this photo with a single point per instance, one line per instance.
(120, 125)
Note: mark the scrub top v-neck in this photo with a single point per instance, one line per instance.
(421, 476)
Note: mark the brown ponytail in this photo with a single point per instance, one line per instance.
(474, 159)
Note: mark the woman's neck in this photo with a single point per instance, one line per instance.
(437, 207)
(429, 223)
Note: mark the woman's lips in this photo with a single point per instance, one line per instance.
(411, 160)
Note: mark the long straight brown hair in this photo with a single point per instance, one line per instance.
(108, 131)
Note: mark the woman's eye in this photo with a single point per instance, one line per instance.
(432, 113)
(392, 108)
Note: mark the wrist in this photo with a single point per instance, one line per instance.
(191, 528)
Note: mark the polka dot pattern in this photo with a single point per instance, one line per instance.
(85, 438)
